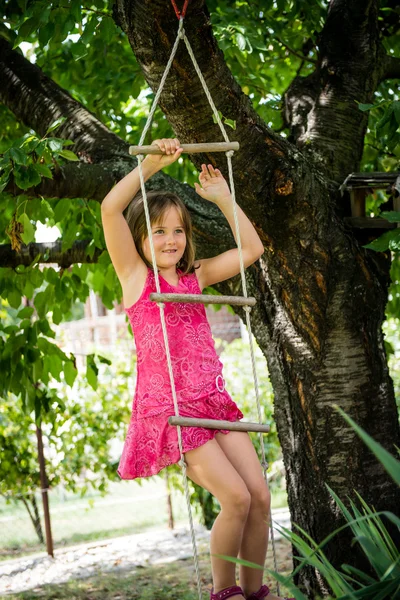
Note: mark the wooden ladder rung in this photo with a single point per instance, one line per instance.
(187, 148)
(203, 299)
(213, 424)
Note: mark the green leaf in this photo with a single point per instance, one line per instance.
(46, 33)
(394, 242)
(91, 377)
(98, 281)
(27, 27)
(107, 29)
(41, 148)
(240, 41)
(69, 235)
(44, 327)
(384, 120)
(14, 298)
(79, 51)
(76, 10)
(396, 111)
(54, 126)
(18, 156)
(26, 177)
(382, 243)
(365, 107)
(110, 277)
(37, 370)
(90, 27)
(55, 366)
(231, 123)
(26, 312)
(104, 360)
(28, 234)
(70, 373)
(47, 211)
(61, 209)
(44, 14)
(68, 154)
(55, 144)
(5, 177)
(28, 289)
(40, 303)
(43, 170)
(392, 216)
(57, 315)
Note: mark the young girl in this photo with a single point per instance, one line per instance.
(226, 465)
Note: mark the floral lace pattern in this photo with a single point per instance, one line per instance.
(151, 443)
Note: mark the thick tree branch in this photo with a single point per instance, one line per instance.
(79, 180)
(38, 101)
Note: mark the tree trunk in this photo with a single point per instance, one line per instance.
(320, 295)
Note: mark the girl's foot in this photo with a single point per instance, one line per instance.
(263, 592)
(233, 592)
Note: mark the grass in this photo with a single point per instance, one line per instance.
(168, 581)
(127, 509)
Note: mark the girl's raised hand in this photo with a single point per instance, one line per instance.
(172, 151)
(213, 185)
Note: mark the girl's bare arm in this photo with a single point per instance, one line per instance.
(227, 264)
(119, 241)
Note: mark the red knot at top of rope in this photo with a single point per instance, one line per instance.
(180, 14)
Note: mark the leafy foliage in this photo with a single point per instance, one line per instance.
(81, 420)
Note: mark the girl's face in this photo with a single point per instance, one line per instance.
(169, 239)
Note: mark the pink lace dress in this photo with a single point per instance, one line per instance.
(151, 443)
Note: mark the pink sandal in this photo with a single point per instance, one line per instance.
(234, 590)
(263, 593)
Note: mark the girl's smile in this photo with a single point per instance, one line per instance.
(169, 240)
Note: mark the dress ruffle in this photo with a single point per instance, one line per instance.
(152, 444)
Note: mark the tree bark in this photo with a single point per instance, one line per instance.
(321, 296)
(322, 109)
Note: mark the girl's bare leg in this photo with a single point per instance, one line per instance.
(209, 467)
(239, 449)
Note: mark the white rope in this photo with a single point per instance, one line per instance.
(162, 82)
(171, 374)
(181, 34)
(247, 309)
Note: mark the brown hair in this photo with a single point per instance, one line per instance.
(159, 201)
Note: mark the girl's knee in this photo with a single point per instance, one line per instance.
(237, 500)
(261, 498)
